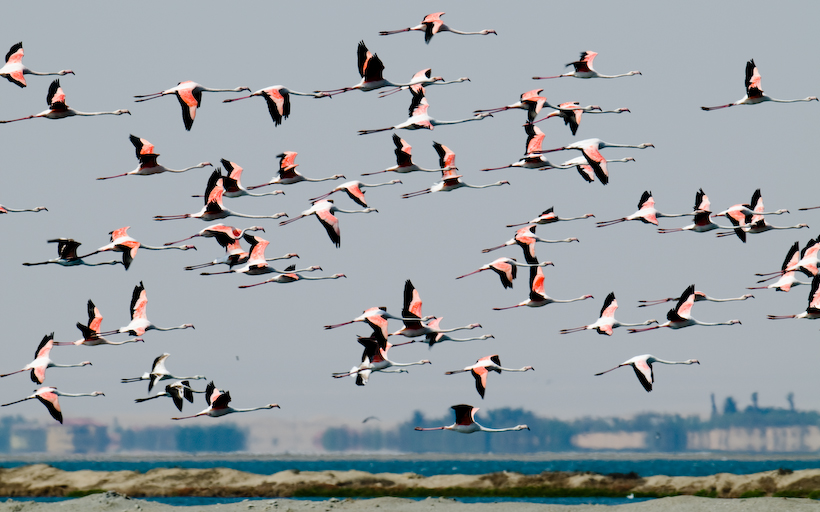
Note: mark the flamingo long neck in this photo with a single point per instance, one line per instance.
(497, 183)
(810, 98)
(250, 409)
(409, 364)
(366, 210)
(114, 113)
(183, 326)
(57, 365)
(78, 394)
(508, 429)
(436, 122)
(524, 369)
(334, 177)
(152, 248)
(247, 216)
(197, 166)
(598, 75)
(690, 361)
(571, 300)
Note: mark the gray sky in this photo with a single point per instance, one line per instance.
(690, 55)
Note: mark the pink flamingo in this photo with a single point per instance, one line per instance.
(404, 160)
(571, 112)
(42, 361)
(583, 69)
(449, 179)
(290, 276)
(591, 149)
(413, 326)
(4, 209)
(189, 95)
(58, 109)
(67, 255)
(483, 367)
(14, 70)
(754, 93)
(533, 159)
(177, 391)
(698, 297)
(375, 360)
(788, 272)
(354, 190)
(224, 235)
(806, 263)
(529, 101)
(526, 239)
(424, 78)
(759, 226)
(277, 98)
(236, 255)
(643, 368)
(466, 424)
(743, 214)
(812, 312)
(218, 401)
(432, 25)
(122, 242)
(646, 213)
(288, 175)
(324, 211)
(702, 224)
(538, 297)
(257, 263)
(548, 217)
(437, 337)
(139, 320)
(584, 168)
(49, 397)
(681, 315)
(607, 322)
(91, 332)
(375, 317)
(159, 373)
(233, 186)
(507, 269)
(148, 161)
(370, 69)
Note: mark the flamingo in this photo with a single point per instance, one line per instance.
(48, 396)
(233, 185)
(643, 368)
(404, 160)
(177, 391)
(438, 337)
(14, 70)
(432, 25)
(424, 78)
(324, 211)
(375, 317)
(148, 161)
(278, 99)
(538, 297)
(584, 168)
(257, 263)
(4, 209)
(571, 112)
(67, 255)
(507, 269)
(812, 311)
(583, 69)
(748, 213)
(466, 424)
(214, 209)
(122, 242)
(189, 95)
(526, 239)
(224, 235)
(91, 332)
(702, 224)
(290, 276)
(57, 108)
(681, 315)
(646, 213)
(533, 158)
(591, 149)
(354, 190)
(450, 180)
(548, 217)
(760, 226)
(529, 101)
(788, 272)
(218, 401)
(411, 311)
(754, 94)
(236, 255)
(607, 322)
(288, 175)
(139, 320)
(159, 373)
(483, 367)
(42, 361)
(806, 263)
(375, 360)
(419, 118)
(698, 297)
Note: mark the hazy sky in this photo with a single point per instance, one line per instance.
(690, 55)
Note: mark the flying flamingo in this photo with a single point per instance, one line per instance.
(806, 263)
(526, 239)
(432, 338)
(148, 161)
(538, 297)
(591, 149)
(533, 159)
(812, 312)
(257, 263)
(583, 69)
(370, 68)
(585, 169)
(419, 118)
(214, 209)
(290, 276)
(67, 255)
(466, 424)
(754, 94)
(236, 255)
(760, 226)
(375, 317)
(548, 217)
(643, 368)
(224, 235)
(702, 224)
(646, 213)
(449, 179)
(698, 297)
(432, 25)
(42, 361)
(354, 190)
(529, 101)
(57, 108)
(4, 209)
(177, 391)
(218, 401)
(122, 242)
(681, 315)
(324, 210)
(189, 95)
(404, 160)
(507, 269)
(483, 367)
(423, 78)
(571, 112)
(607, 322)
(748, 213)
(48, 396)
(375, 360)
(411, 311)
(288, 175)
(278, 99)
(787, 275)
(91, 332)
(233, 186)
(139, 320)
(14, 70)
(159, 373)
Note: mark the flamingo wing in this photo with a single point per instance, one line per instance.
(643, 370)
(51, 401)
(56, 96)
(753, 89)
(331, 224)
(610, 306)
(15, 56)
(278, 105)
(537, 284)
(464, 414)
(480, 374)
